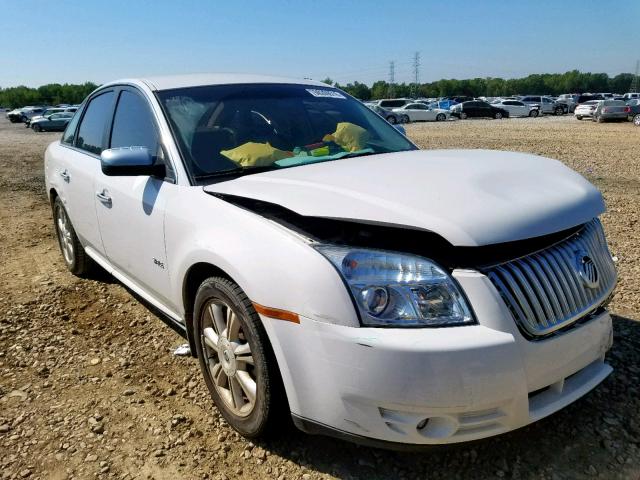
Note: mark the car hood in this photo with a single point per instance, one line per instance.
(469, 197)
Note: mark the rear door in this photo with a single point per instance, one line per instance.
(131, 209)
(79, 163)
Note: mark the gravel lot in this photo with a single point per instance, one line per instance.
(89, 387)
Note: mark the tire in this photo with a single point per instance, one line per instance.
(558, 111)
(533, 113)
(579, 117)
(497, 116)
(599, 119)
(37, 128)
(73, 254)
(391, 119)
(636, 120)
(441, 117)
(463, 115)
(406, 119)
(218, 357)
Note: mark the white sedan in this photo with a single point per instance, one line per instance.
(419, 112)
(517, 108)
(325, 268)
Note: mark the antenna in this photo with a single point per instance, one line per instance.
(635, 83)
(392, 71)
(416, 75)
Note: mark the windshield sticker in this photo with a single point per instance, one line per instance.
(316, 92)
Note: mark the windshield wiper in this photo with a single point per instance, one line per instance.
(239, 171)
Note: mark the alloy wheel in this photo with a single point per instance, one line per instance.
(228, 357)
(64, 235)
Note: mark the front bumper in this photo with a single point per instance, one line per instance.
(436, 386)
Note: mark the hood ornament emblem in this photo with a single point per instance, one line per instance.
(586, 269)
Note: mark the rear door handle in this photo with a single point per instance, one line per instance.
(65, 175)
(104, 197)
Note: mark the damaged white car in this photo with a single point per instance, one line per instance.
(322, 266)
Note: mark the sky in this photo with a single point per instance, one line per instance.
(76, 41)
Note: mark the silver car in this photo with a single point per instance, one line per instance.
(611, 110)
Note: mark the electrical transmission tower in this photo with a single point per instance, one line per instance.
(416, 75)
(392, 72)
(635, 83)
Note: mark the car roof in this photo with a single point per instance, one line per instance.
(170, 82)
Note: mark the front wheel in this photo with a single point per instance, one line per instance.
(441, 117)
(497, 116)
(406, 119)
(236, 359)
(636, 120)
(579, 117)
(37, 128)
(463, 115)
(559, 111)
(391, 119)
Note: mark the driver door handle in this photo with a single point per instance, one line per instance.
(104, 197)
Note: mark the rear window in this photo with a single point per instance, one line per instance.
(614, 103)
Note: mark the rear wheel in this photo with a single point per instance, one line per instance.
(236, 359)
(75, 258)
(406, 119)
(463, 115)
(533, 113)
(599, 119)
(559, 111)
(579, 117)
(636, 120)
(391, 119)
(441, 117)
(36, 128)
(497, 116)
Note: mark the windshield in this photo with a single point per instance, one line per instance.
(239, 129)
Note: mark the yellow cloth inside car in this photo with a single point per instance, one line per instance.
(252, 154)
(349, 136)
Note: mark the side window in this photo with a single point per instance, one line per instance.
(93, 123)
(133, 124)
(69, 134)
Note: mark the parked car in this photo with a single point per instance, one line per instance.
(54, 122)
(389, 115)
(477, 109)
(631, 96)
(419, 112)
(586, 109)
(611, 110)
(20, 114)
(49, 111)
(588, 98)
(371, 290)
(634, 108)
(516, 108)
(391, 103)
(546, 104)
(569, 99)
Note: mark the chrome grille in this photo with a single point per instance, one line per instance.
(555, 287)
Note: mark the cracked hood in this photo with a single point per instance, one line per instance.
(469, 197)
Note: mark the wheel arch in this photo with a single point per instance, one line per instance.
(195, 275)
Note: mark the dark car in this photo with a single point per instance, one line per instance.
(51, 123)
(390, 116)
(478, 109)
(587, 98)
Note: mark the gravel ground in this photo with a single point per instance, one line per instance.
(89, 387)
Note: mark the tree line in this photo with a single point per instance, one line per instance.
(51, 94)
(540, 84)
(536, 84)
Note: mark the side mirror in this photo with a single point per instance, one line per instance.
(401, 129)
(130, 161)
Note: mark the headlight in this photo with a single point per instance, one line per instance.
(394, 289)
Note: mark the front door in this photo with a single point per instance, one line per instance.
(131, 209)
